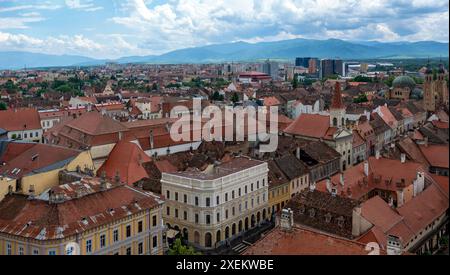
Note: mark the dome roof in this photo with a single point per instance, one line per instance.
(404, 82)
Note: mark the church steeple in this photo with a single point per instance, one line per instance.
(336, 102)
(337, 108)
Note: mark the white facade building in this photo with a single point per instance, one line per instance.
(216, 205)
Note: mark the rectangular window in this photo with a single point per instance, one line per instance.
(218, 217)
(88, 246)
(208, 202)
(232, 195)
(128, 251)
(140, 226)
(52, 252)
(168, 194)
(176, 213)
(233, 211)
(154, 221)
(196, 218)
(116, 235)
(128, 231)
(196, 201)
(264, 182)
(226, 214)
(217, 200)
(21, 251)
(176, 196)
(257, 184)
(251, 187)
(208, 219)
(140, 248)
(168, 211)
(8, 249)
(185, 216)
(35, 252)
(239, 192)
(185, 198)
(102, 241)
(246, 189)
(226, 197)
(155, 241)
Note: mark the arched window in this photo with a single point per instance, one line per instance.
(208, 240)
(335, 122)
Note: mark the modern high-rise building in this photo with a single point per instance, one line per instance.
(271, 68)
(330, 67)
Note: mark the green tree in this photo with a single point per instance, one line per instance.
(361, 78)
(217, 96)
(389, 81)
(360, 99)
(179, 249)
(3, 106)
(295, 82)
(235, 98)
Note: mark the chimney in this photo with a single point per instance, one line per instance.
(103, 185)
(117, 178)
(366, 168)
(32, 191)
(151, 139)
(298, 152)
(377, 154)
(312, 186)
(329, 185)
(120, 135)
(342, 179)
(419, 183)
(287, 219)
(403, 158)
(394, 245)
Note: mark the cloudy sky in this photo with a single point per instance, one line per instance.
(115, 28)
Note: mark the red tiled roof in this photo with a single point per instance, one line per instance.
(20, 119)
(310, 125)
(96, 124)
(127, 159)
(30, 159)
(37, 219)
(271, 101)
(357, 139)
(440, 124)
(301, 241)
(383, 174)
(436, 155)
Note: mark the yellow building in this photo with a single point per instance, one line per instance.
(87, 217)
(279, 192)
(31, 168)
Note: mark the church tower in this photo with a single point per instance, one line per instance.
(337, 108)
(429, 94)
(441, 86)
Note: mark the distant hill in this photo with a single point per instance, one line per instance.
(242, 51)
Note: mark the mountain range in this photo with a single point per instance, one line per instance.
(242, 51)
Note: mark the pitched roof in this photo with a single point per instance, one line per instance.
(23, 159)
(309, 125)
(37, 219)
(291, 166)
(20, 119)
(94, 123)
(302, 241)
(127, 160)
(437, 155)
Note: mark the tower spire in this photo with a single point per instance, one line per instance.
(336, 102)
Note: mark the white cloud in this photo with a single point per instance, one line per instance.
(86, 5)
